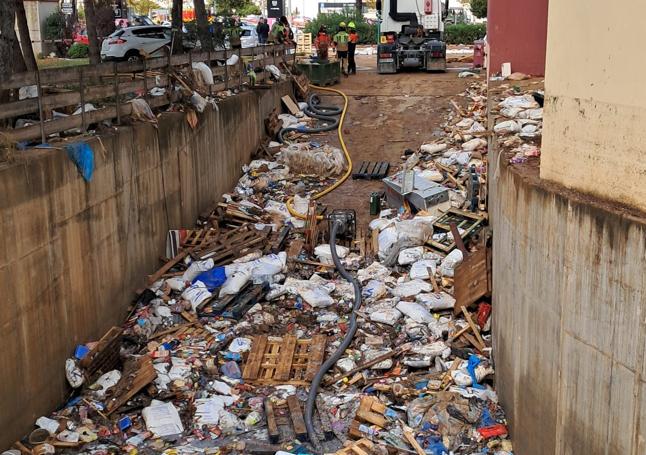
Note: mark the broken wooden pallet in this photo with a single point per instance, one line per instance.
(104, 356)
(276, 416)
(372, 170)
(137, 374)
(361, 447)
(285, 360)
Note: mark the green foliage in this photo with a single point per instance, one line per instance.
(479, 8)
(464, 33)
(143, 6)
(78, 50)
(237, 7)
(367, 32)
(54, 25)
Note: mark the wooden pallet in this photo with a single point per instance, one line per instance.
(304, 44)
(199, 238)
(137, 374)
(275, 420)
(372, 170)
(284, 361)
(361, 447)
(104, 356)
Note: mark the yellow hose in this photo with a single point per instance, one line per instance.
(345, 176)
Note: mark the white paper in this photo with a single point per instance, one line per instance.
(162, 419)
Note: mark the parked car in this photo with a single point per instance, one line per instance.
(81, 37)
(248, 36)
(131, 42)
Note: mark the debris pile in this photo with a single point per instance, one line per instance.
(219, 351)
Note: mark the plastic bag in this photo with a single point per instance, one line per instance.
(235, 281)
(450, 262)
(326, 161)
(213, 278)
(436, 301)
(474, 144)
(324, 253)
(196, 268)
(419, 270)
(410, 255)
(374, 290)
(162, 419)
(415, 311)
(196, 294)
(204, 71)
(508, 126)
(82, 155)
(388, 316)
(433, 148)
(198, 101)
(233, 60)
(411, 288)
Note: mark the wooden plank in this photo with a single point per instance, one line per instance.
(471, 279)
(474, 328)
(166, 267)
(295, 248)
(366, 413)
(297, 418)
(272, 427)
(410, 437)
(137, 374)
(285, 359)
(317, 353)
(75, 121)
(292, 107)
(252, 366)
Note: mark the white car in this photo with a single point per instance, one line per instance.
(131, 42)
(248, 36)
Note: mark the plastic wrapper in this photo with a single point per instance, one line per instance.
(323, 161)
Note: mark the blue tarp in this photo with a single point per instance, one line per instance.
(83, 156)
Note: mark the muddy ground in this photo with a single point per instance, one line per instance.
(388, 114)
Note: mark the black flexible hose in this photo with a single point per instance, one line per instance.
(315, 110)
(352, 330)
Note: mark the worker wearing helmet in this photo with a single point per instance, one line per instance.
(353, 39)
(322, 44)
(340, 42)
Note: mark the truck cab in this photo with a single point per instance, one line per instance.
(411, 35)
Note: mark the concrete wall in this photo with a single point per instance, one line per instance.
(72, 253)
(37, 11)
(594, 136)
(569, 320)
(517, 33)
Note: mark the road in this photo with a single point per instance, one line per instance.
(388, 114)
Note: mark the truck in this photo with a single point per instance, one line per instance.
(411, 35)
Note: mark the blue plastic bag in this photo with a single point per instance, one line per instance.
(474, 361)
(83, 156)
(213, 278)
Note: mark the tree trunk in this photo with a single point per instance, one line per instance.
(19, 65)
(203, 25)
(7, 38)
(358, 6)
(177, 22)
(25, 39)
(90, 25)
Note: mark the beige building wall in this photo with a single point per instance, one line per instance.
(594, 136)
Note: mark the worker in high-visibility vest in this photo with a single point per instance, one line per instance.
(353, 39)
(340, 42)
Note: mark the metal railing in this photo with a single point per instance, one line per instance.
(111, 85)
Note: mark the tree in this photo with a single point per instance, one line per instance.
(203, 25)
(144, 6)
(7, 40)
(90, 25)
(358, 6)
(177, 22)
(479, 8)
(25, 39)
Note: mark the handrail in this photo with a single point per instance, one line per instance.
(115, 81)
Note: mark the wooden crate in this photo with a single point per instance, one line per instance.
(284, 361)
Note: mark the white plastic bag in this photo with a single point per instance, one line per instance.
(388, 316)
(162, 419)
(419, 270)
(196, 268)
(436, 301)
(411, 288)
(324, 253)
(196, 294)
(235, 282)
(410, 255)
(450, 262)
(415, 311)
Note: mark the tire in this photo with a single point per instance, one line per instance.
(132, 56)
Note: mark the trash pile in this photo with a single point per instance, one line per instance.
(221, 348)
(519, 123)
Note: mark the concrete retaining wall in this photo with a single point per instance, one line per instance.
(569, 334)
(72, 253)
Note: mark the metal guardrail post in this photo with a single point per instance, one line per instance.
(240, 69)
(82, 92)
(40, 107)
(116, 93)
(145, 80)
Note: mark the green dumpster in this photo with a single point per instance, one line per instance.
(323, 74)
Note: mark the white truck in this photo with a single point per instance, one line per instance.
(411, 35)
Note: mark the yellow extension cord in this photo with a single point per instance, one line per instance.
(345, 176)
